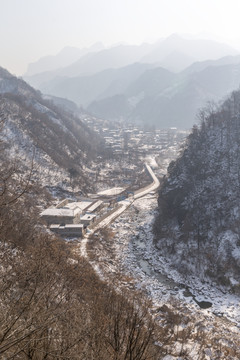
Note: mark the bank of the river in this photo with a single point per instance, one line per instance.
(135, 253)
(127, 258)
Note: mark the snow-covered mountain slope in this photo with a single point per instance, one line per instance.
(32, 125)
(198, 220)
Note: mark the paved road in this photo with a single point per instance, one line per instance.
(152, 187)
(124, 205)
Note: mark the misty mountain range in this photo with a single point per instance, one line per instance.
(163, 84)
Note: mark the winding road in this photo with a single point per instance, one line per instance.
(124, 204)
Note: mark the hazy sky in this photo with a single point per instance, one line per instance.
(30, 29)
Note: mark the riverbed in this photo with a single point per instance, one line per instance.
(135, 254)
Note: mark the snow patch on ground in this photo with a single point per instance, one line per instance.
(112, 191)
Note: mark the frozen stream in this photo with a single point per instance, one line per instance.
(172, 286)
(136, 256)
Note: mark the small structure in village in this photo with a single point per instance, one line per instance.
(88, 219)
(71, 218)
(61, 216)
(68, 230)
(81, 205)
(95, 207)
(66, 212)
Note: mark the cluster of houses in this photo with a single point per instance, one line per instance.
(72, 218)
(125, 137)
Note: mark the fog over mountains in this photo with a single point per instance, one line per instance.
(74, 60)
(162, 84)
(170, 99)
(65, 57)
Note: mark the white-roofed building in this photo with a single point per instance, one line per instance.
(87, 219)
(61, 216)
(81, 205)
(69, 214)
(95, 207)
(68, 230)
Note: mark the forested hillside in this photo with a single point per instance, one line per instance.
(198, 224)
(33, 127)
(52, 303)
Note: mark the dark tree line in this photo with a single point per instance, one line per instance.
(199, 198)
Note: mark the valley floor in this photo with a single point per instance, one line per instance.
(123, 253)
(128, 258)
(134, 252)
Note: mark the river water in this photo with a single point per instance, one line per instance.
(172, 286)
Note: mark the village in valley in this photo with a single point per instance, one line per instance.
(127, 184)
(125, 176)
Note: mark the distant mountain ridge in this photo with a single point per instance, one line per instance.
(165, 99)
(84, 89)
(139, 83)
(92, 63)
(65, 57)
(198, 49)
(82, 61)
(201, 65)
